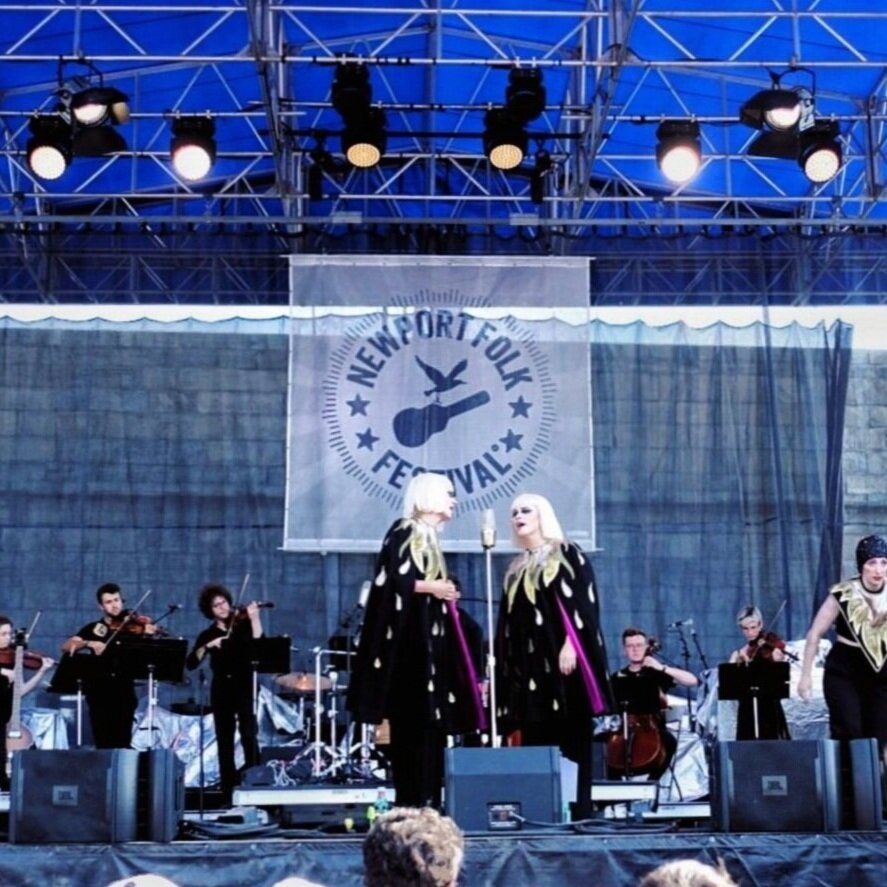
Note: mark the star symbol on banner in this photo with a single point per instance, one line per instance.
(358, 405)
(366, 440)
(520, 407)
(511, 441)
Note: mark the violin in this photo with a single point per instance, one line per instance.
(764, 646)
(31, 659)
(241, 614)
(134, 624)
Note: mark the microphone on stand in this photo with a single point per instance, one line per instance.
(681, 623)
(365, 589)
(488, 528)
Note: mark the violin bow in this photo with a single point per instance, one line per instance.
(127, 618)
(767, 626)
(33, 625)
(237, 604)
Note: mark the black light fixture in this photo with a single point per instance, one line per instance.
(505, 133)
(364, 136)
(321, 162)
(678, 151)
(790, 129)
(505, 138)
(778, 109)
(541, 168)
(49, 149)
(193, 146)
(98, 105)
(91, 109)
(819, 151)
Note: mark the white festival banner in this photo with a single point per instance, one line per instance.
(475, 368)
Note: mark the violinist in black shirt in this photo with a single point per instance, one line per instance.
(760, 649)
(227, 643)
(110, 693)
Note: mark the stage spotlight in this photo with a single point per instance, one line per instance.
(525, 94)
(98, 105)
(505, 139)
(49, 149)
(779, 109)
(351, 90)
(678, 153)
(819, 152)
(364, 138)
(193, 148)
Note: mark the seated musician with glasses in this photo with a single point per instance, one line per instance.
(643, 745)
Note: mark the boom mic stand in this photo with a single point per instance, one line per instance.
(685, 657)
(488, 541)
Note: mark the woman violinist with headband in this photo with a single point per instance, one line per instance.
(760, 647)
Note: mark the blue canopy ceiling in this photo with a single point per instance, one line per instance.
(612, 71)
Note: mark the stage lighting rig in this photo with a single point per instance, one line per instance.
(193, 146)
(790, 129)
(364, 134)
(505, 128)
(679, 151)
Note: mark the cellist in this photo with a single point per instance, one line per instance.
(640, 689)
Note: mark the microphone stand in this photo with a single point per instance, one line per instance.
(685, 656)
(488, 540)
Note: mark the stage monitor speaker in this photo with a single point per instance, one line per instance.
(776, 786)
(498, 789)
(161, 796)
(61, 796)
(864, 811)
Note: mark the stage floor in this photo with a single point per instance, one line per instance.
(615, 854)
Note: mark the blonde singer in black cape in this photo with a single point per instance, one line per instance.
(552, 674)
(410, 645)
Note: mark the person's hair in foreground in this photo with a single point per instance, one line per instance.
(688, 873)
(412, 847)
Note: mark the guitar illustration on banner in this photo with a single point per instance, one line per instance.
(414, 426)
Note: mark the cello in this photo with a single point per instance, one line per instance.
(638, 747)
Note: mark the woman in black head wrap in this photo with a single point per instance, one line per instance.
(855, 680)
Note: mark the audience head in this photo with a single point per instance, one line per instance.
(412, 847)
(688, 873)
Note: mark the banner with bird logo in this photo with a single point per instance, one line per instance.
(475, 368)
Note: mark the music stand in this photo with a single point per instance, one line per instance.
(755, 680)
(267, 656)
(157, 659)
(72, 672)
(635, 696)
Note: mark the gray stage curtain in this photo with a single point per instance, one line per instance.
(154, 455)
(718, 457)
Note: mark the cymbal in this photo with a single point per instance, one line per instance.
(302, 682)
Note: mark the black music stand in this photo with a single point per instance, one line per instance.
(73, 672)
(267, 656)
(157, 659)
(756, 680)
